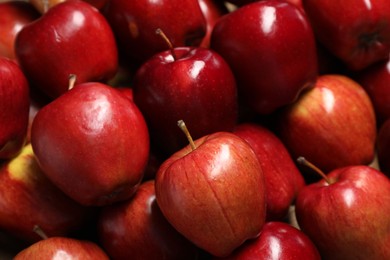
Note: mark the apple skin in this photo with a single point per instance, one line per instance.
(93, 143)
(136, 229)
(189, 87)
(332, 124)
(71, 38)
(62, 248)
(256, 43)
(28, 198)
(14, 107)
(282, 178)
(214, 195)
(347, 219)
(383, 147)
(135, 22)
(277, 240)
(13, 16)
(357, 32)
(375, 80)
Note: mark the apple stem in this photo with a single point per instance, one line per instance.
(168, 42)
(38, 230)
(184, 128)
(72, 81)
(302, 160)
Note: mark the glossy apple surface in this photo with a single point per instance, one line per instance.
(332, 124)
(136, 229)
(256, 40)
(357, 31)
(14, 107)
(196, 85)
(93, 143)
(214, 194)
(347, 218)
(282, 178)
(71, 38)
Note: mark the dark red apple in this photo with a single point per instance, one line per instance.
(62, 248)
(332, 124)
(135, 22)
(136, 229)
(383, 147)
(376, 81)
(277, 240)
(193, 84)
(71, 38)
(13, 16)
(356, 31)
(14, 107)
(282, 178)
(271, 49)
(213, 192)
(28, 198)
(346, 214)
(93, 143)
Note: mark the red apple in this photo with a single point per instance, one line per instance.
(282, 178)
(71, 38)
(277, 240)
(257, 40)
(376, 81)
(13, 16)
(136, 229)
(28, 198)
(213, 192)
(193, 84)
(135, 22)
(14, 107)
(62, 248)
(356, 31)
(383, 147)
(332, 124)
(93, 143)
(346, 214)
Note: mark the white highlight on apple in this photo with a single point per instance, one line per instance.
(269, 18)
(196, 68)
(368, 4)
(329, 100)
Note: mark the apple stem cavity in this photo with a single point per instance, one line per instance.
(72, 81)
(302, 160)
(38, 230)
(184, 128)
(168, 42)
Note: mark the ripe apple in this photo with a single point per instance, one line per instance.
(14, 107)
(332, 124)
(346, 213)
(71, 38)
(277, 240)
(28, 198)
(93, 143)
(257, 40)
(356, 31)
(213, 192)
(62, 248)
(136, 229)
(383, 147)
(193, 84)
(13, 16)
(282, 178)
(135, 22)
(376, 81)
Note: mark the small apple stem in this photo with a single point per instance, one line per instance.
(302, 160)
(168, 42)
(38, 230)
(72, 81)
(184, 128)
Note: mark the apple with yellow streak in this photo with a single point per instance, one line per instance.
(28, 198)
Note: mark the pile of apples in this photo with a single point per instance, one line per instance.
(195, 129)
